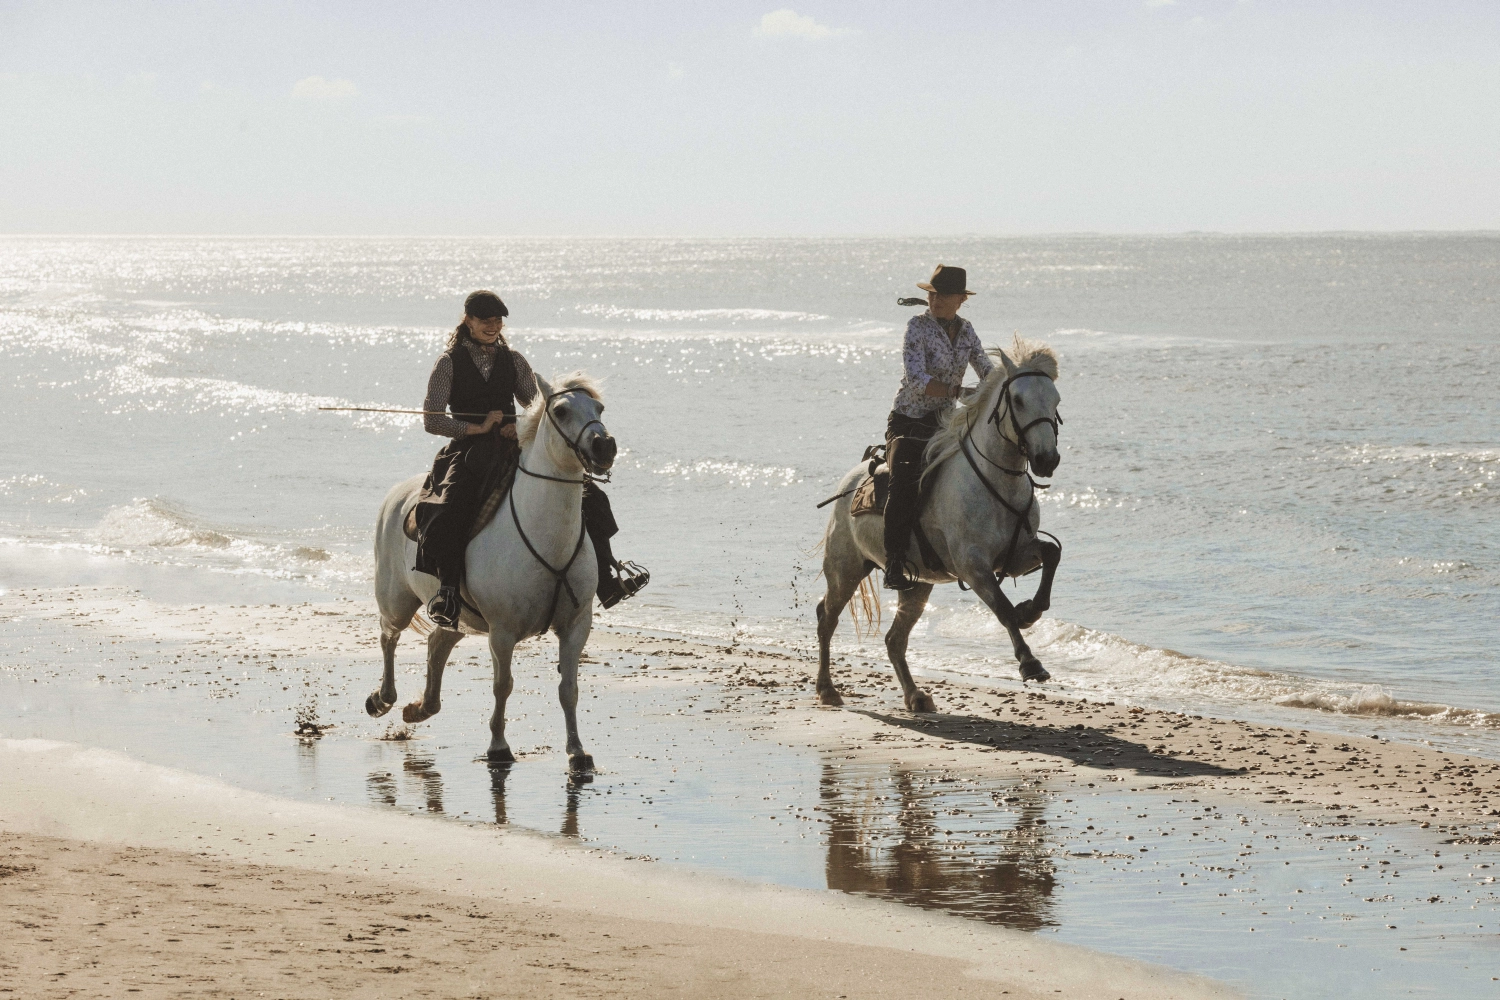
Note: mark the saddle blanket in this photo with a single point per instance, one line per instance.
(869, 496)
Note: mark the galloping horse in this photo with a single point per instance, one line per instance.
(530, 569)
(979, 513)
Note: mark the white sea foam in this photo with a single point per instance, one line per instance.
(156, 531)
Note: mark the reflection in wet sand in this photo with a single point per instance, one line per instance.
(900, 835)
(425, 770)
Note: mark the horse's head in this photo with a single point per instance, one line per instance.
(1027, 406)
(573, 412)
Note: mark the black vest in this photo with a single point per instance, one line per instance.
(472, 394)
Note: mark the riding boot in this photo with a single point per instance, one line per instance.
(446, 605)
(904, 457)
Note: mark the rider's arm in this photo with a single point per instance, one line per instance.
(525, 379)
(914, 360)
(439, 388)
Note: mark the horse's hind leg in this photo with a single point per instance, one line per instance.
(908, 610)
(440, 642)
(829, 609)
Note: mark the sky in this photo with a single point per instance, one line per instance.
(748, 119)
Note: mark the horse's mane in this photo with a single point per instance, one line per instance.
(1025, 355)
(531, 417)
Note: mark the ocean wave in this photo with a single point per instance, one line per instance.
(1099, 664)
(156, 531)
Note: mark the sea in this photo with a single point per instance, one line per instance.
(1278, 494)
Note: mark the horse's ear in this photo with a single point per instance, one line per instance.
(543, 387)
(1010, 366)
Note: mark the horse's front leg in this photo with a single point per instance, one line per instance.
(502, 646)
(570, 644)
(382, 698)
(908, 609)
(976, 571)
(1029, 610)
(440, 642)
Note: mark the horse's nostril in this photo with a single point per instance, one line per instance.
(605, 448)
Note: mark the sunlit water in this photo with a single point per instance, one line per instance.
(1278, 492)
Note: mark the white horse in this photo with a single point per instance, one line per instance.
(530, 569)
(979, 513)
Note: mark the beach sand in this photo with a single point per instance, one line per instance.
(94, 836)
(119, 877)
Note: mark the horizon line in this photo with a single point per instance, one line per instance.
(835, 236)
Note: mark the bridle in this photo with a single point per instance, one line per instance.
(1007, 404)
(560, 576)
(996, 417)
(589, 475)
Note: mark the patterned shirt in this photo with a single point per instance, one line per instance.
(928, 354)
(440, 388)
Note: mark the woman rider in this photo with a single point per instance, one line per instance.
(939, 346)
(479, 379)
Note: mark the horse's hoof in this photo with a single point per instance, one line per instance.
(377, 706)
(920, 702)
(580, 763)
(416, 712)
(1027, 614)
(1032, 670)
(501, 756)
(830, 697)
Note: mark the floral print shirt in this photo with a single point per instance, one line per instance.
(928, 354)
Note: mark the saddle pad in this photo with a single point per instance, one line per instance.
(869, 496)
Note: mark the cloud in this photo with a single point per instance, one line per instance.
(787, 23)
(315, 88)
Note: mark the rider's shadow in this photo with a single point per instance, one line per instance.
(1079, 743)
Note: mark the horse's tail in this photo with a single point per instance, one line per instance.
(421, 624)
(868, 606)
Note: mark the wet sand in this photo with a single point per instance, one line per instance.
(121, 877)
(1024, 769)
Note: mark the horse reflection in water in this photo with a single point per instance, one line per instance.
(500, 772)
(892, 835)
(386, 791)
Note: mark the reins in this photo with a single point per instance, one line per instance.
(1022, 517)
(559, 576)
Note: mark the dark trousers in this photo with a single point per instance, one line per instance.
(463, 475)
(905, 440)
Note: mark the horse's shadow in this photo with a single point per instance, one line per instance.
(1078, 743)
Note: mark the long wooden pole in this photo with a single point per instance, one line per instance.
(418, 413)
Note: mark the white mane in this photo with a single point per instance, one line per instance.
(530, 418)
(1026, 355)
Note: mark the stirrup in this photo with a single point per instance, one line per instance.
(899, 581)
(629, 579)
(444, 608)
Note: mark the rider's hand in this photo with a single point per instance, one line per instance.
(491, 419)
(508, 431)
